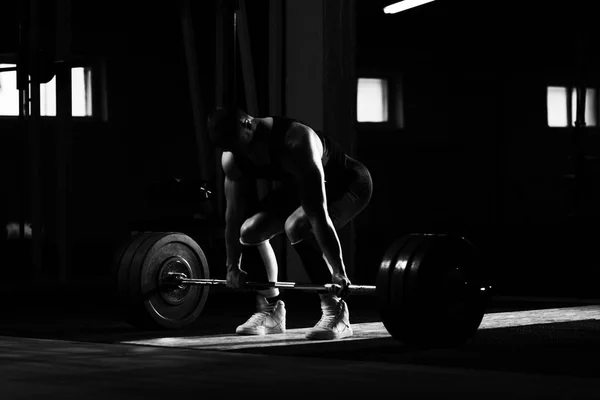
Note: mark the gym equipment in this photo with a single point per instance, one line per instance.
(431, 290)
(142, 265)
(430, 287)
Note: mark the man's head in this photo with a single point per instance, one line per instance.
(229, 128)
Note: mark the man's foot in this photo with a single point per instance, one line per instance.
(269, 319)
(334, 324)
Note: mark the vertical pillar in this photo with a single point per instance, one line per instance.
(34, 139)
(198, 112)
(276, 57)
(320, 83)
(339, 92)
(224, 84)
(23, 87)
(303, 83)
(63, 139)
(304, 58)
(276, 100)
(243, 34)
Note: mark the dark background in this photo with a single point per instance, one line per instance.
(475, 155)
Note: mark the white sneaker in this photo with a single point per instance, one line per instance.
(334, 324)
(265, 321)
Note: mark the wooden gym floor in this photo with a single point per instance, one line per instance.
(70, 344)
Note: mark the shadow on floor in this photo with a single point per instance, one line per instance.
(92, 315)
(569, 348)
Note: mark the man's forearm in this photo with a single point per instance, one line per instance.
(329, 243)
(232, 242)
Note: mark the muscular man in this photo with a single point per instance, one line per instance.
(321, 190)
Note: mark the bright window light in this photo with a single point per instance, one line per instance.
(9, 95)
(372, 100)
(404, 5)
(81, 81)
(81, 94)
(557, 106)
(48, 98)
(591, 107)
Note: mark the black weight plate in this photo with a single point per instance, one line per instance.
(135, 290)
(396, 316)
(117, 257)
(435, 300)
(385, 271)
(123, 272)
(150, 310)
(454, 280)
(414, 306)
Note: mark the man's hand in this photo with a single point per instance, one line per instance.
(341, 284)
(236, 277)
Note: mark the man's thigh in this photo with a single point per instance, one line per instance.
(267, 220)
(347, 202)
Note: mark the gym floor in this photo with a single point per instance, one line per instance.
(72, 343)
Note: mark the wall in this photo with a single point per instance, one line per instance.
(476, 156)
(149, 134)
(320, 87)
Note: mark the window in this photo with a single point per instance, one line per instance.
(9, 95)
(562, 106)
(372, 100)
(81, 97)
(591, 107)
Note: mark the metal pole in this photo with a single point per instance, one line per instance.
(276, 98)
(243, 35)
(35, 139)
(224, 81)
(23, 87)
(63, 139)
(308, 287)
(198, 111)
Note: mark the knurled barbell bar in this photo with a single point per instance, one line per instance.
(430, 287)
(179, 279)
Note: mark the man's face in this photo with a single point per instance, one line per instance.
(253, 148)
(242, 146)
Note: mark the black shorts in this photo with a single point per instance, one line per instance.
(348, 194)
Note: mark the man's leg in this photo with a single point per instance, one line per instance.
(255, 236)
(335, 320)
(343, 207)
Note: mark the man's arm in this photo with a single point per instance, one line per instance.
(306, 165)
(235, 211)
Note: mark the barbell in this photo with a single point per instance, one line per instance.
(431, 288)
(180, 279)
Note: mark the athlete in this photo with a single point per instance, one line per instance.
(320, 190)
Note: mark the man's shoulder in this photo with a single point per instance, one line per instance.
(298, 133)
(301, 145)
(230, 166)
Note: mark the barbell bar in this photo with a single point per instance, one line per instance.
(177, 279)
(430, 287)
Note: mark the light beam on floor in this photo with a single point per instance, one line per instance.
(371, 330)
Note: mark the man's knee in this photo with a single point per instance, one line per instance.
(297, 228)
(250, 233)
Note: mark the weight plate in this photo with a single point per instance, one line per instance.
(150, 308)
(395, 315)
(123, 280)
(385, 270)
(435, 297)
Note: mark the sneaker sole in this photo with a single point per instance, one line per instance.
(328, 335)
(258, 332)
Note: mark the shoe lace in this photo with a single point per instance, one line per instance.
(328, 317)
(258, 317)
